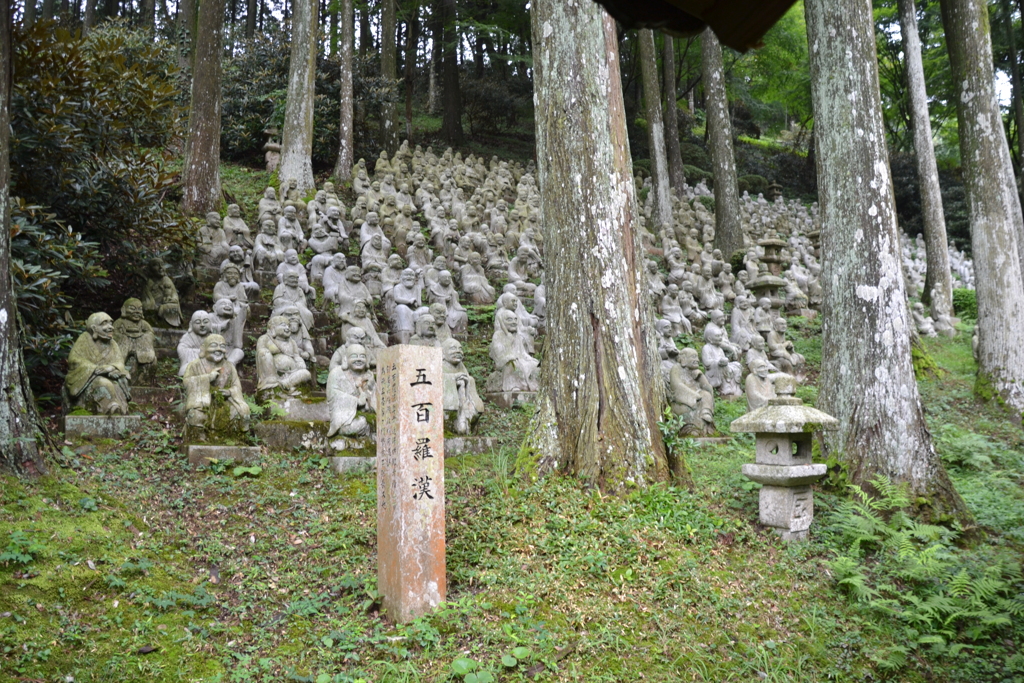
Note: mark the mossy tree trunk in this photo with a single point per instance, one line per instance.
(388, 27)
(346, 146)
(601, 389)
(20, 433)
(1015, 79)
(660, 183)
(867, 373)
(994, 207)
(297, 136)
(728, 229)
(938, 286)
(676, 173)
(201, 176)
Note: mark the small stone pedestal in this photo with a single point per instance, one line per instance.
(350, 454)
(783, 430)
(410, 480)
(203, 454)
(78, 427)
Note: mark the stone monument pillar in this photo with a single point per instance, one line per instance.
(410, 480)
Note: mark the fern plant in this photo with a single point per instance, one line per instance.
(893, 566)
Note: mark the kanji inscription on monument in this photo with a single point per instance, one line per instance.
(410, 480)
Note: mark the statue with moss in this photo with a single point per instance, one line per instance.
(462, 403)
(351, 389)
(159, 295)
(213, 393)
(691, 396)
(136, 340)
(97, 381)
(280, 368)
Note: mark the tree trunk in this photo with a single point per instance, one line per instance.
(660, 186)
(251, 8)
(601, 390)
(30, 13)
(411, 48)
(186, 31)
(996, 224)
(451, 95)
(1018, 96)
(48, 9)
(676, 174)
(297, 136)
(436, 40)
(201, 176)
(20, 433)
(938, 287)
(365, 34)
(728, 229)
(867, 376)
(388, 26)
(346, 147)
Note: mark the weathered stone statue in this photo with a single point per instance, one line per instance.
(923, 322)
(760, 385)
(289, 229)
(289, 293)
(192, 341)
(238, 258)
(359, 317)
(136, 340)
(159, 295)
(280, 368)
(780, 350)
(213, 243)
(267, 254)
(350, 290)
(461, 400)
(425, 331)
(691, 396)
(474, 282)
(213, 393)
(236, 230)
(351, 387)
(97, 380)
(515, 370)
(268, 205)
(224, 323)
(323, 245)
(721, 373)
(400, 302)
(443, 292)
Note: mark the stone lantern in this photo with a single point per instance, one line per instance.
(782, 439)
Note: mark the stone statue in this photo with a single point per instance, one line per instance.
(235, 229)
(289, 293)
(237, 258)
(474, 282)
(351, 387)
(400, 302)
(159, 295)
(359, 317)
(425, 333)
(324, 245)
(461, 399)
(722, 374)
(691, 396)
(443, 292)
(224, 323)
(267, 254)
(349, 290)
(923, 322)
(515, 369)
(760, 385)
(192, 341)
(289, 229)
(780, 349)
(213, 393)
(268, 205)
(231, 287)
(279, 365)
(135, 338)
(97, 380)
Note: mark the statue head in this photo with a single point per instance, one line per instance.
(759, 366)
(408, 277)
(279, 327)
(507, 321)
(438, 310)
(354, 274)
(713, 335)
(289, 212)
(234, 210)
(757, 342)
(329, 187)
(764, 303)
(199, 325)
(132, 310)
(236, 254)
(451, 350)
(291, 257)
(294, 317)
(360, 308)
(356, 358)
(214, 349)
(445, 278)
(716, 316)
(337, 261)
(781, 325)
(100, 326)
(270, 193)
(223, 308)
(689, 359)
(425, 326)
(334, 212)
(267, 227)
(319, 230)
(355, 335)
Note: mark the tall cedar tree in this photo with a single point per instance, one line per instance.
(660, 182)
(201, 177)
(346, 149)
(601, 390)
(867, 375)
(676, 173)
(297, 136)
(728, 229)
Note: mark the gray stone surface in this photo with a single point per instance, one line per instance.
(783, 449)
(279, 435)
(790, 509)
(202, 454)
(784, 419)
(469, 445)
(784, 475)
(347, 464)
(100, 426)
(509, 399)
(299, 410)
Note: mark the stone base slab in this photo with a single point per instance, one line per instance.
(350, 465)
(784, 475)
(469, 445)
(100, 426)
(789, 509)
(203, 454)
(297, 410)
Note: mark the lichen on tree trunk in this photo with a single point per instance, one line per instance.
(867, 375)
(997, 231)
(20, 435)
(660, 182)
(297, 136)
(346, 150)
(601, 387)
(677, 176)
(728, 229)
(389, 118)
(201, 176)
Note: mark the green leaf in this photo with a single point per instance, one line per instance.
(324, 678)
(327, 641)
(253, 471)
(521, 652)
(463, 666)
(483, 677)
(510, 661)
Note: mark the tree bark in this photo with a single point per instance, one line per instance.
(867, 376)
(20, 434)
(388, 26)
(660, 184)
(411, 48)
(601, 390)
(365, 34)
(48, 9)
(30, 13)
(436, 40)
(451, 95)
(147, 12)
(728, 228)
(994, 206)
(297, 136)
(676, 173)
(938, 287)
(1018, 96)
(201, 176)
(346, 147)
(186, 31)
(251, 8)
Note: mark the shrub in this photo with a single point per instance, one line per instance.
(965, 303)
(695, 155)
(754, 184)
(694, 175)
(491, 105)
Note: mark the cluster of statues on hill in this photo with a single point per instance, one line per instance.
(425, 241)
